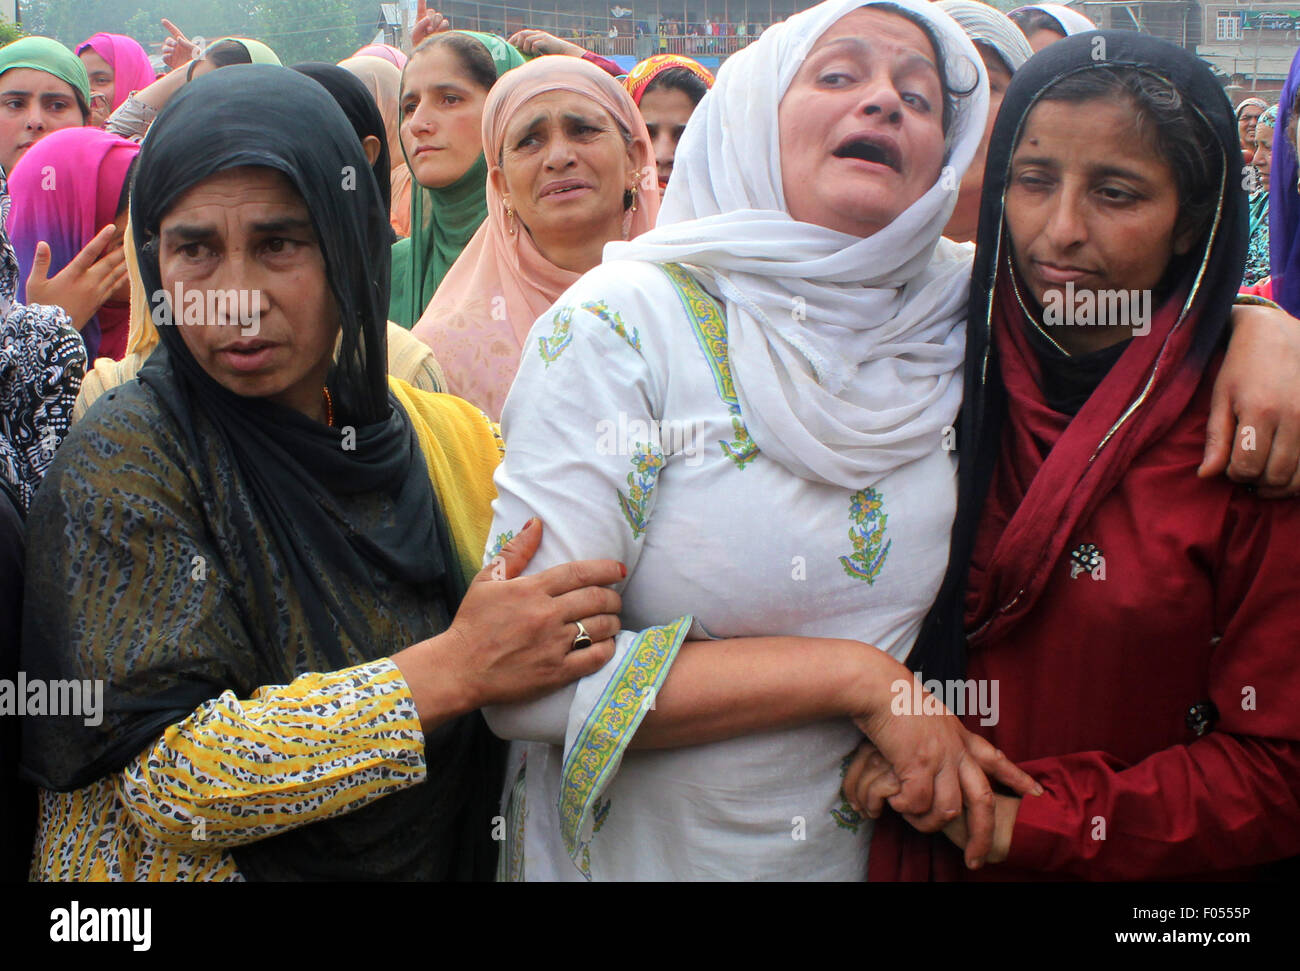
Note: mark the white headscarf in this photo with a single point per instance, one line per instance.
(846, 352)
(1071, 21)
(986, 25)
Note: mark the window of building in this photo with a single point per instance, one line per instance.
(1229, 27)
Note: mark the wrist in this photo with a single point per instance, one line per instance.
(436, 676)
(870, 687)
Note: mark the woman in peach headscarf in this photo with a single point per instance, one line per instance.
(384, 82)
(571, 169)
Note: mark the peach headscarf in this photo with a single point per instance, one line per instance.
(494, 293)
(384, 82)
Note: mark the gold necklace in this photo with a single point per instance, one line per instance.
(329, 408)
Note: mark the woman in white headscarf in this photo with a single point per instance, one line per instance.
(1046, 23)
(1004, 51)
(751, 407)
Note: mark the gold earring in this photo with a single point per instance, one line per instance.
(633, 191)
(510, 220)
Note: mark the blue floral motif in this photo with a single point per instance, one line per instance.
(866, 509)
(500, 543)
(647, 460)
(600, 309)
(561, 337)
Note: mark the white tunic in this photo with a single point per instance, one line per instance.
(623, 434)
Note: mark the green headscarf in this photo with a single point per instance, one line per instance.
(44, 54)
(259, 52)
(442, 220)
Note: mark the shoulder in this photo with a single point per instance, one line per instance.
(413, 361)
(632, 302)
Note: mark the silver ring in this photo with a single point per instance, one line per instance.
(583, 639)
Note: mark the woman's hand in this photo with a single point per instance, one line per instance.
(177, 49)
(940, 767)
(512, 638)
(538, 42)
(428, 25)
(82, 286)
(870, 782)
(1254, 427)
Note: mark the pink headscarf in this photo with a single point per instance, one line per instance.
(131, 68)
(387, 51)
(66, 188)
(478, 345)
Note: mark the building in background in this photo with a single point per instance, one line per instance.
(629, 30)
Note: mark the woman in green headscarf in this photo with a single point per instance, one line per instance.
(44, 88)
(444, 86)
(133, 118)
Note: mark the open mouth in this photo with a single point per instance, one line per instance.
(879, 149)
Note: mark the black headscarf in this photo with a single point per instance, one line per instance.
(297, 490)
(358, 104)
(1210, 273)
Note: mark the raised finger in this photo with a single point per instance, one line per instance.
(172, 29)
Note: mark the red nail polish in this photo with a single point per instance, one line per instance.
(622, 570)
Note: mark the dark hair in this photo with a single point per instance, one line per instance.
(679, 79)
(474, 58)
(949, 94)
(222, 54)
(1170, 124)
(1032, 20)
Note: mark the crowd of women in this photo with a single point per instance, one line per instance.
(640, 477)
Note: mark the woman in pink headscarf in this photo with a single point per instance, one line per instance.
(387, 51)
(117, 66)
(67, 188)
(571, 169)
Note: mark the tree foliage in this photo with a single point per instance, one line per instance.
(298, 30)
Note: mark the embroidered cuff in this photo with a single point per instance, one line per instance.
(604, 717)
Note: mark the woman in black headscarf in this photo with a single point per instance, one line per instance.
(262, 550)
(357, 103)
(1134, 624)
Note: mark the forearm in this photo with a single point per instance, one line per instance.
(724, 689)
(161, 91)
(237, 770)
(1221, 803)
